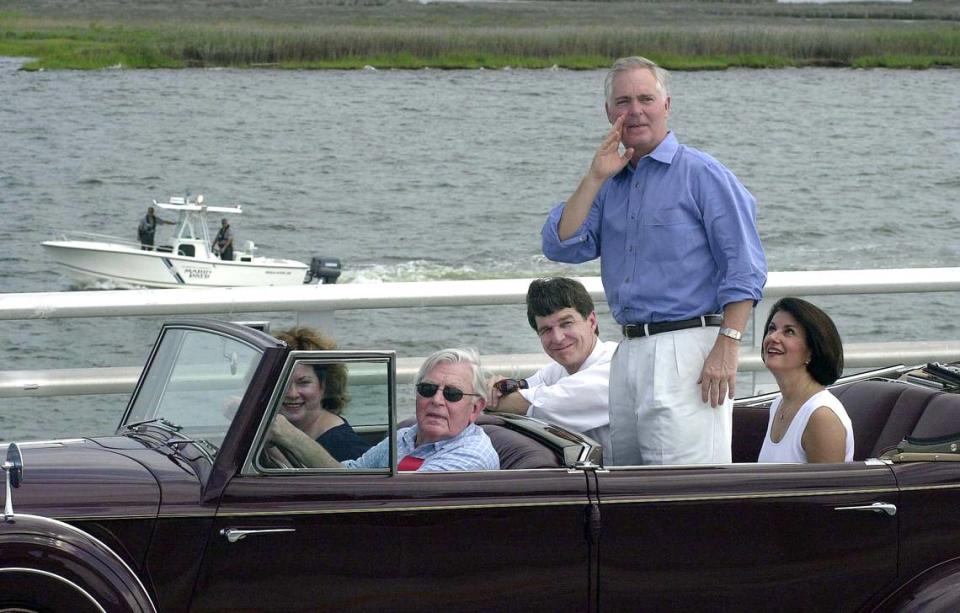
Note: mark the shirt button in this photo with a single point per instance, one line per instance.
(630, 248)
(628, 280)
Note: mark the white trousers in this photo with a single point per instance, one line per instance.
(656, 412)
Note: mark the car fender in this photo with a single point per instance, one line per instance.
(51, 565)
(937, 589)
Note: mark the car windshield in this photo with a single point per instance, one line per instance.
(194, 385)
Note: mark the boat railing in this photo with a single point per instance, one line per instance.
(70, 235)
(315, 305)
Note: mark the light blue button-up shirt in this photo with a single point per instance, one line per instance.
(469, 450)
(676, 236)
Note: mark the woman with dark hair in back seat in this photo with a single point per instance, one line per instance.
(802, 348)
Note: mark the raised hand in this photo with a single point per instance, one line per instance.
(608, 160)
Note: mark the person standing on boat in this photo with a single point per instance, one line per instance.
(147, 228)
(682, 267)
(223, 243)
(573, 390)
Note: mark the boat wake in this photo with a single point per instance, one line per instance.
(101, 284)
(427, 270)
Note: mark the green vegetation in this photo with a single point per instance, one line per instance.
(690, 34)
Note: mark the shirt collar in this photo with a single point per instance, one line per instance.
(410, 438)
(594, 355)
(666, 150)
(663, 153)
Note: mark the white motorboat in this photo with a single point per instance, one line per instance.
(186, 261)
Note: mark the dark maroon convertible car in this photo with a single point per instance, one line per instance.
(181, 511)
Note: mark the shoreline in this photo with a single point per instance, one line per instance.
(390, 34)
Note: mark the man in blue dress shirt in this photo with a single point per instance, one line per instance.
(682, 267)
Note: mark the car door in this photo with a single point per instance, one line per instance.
(340, 539)
(746, 537)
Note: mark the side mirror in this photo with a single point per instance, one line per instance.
(13, 466)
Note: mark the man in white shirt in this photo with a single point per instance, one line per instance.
(573, 390)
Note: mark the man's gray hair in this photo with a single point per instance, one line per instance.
(468, 356)
(632, 63)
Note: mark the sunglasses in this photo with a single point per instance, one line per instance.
(450, 394)
(509, 386)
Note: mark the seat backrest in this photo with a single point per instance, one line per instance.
(516, 450)
(884, 412)
(749, 428)
(941, 417)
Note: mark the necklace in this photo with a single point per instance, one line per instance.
(782, 409)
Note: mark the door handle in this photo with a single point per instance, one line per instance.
(877, 507)
(235, 534)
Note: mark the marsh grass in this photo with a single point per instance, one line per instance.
(578, 35)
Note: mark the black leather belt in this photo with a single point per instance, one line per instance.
(640, 330)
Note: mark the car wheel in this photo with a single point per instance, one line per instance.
(29, 590)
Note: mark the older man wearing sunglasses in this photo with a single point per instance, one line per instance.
(450, 395)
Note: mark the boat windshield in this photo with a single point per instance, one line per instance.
(192, 226)
(194, 384)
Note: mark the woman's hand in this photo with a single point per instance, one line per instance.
(282, 431)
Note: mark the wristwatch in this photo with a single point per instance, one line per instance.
(732, 333)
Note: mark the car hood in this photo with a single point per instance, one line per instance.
(79, 478)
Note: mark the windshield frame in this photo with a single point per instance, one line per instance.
(155, 379)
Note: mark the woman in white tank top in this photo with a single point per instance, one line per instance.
(802, 348)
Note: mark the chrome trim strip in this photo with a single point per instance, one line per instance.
(19, 569)
(394, 509)
(606, 498)
(920, 488)
(69, 518)
(60, 442)
(605, 501)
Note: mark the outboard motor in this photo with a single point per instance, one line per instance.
(325, 269)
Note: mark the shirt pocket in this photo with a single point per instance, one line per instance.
(678, 213)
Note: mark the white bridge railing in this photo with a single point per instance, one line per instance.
(317, 303)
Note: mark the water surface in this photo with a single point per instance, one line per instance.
(419, 175)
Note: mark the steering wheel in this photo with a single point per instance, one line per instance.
(278, 456)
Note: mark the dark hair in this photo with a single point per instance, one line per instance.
(332, 376)
(826, 348)
(548, 295)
